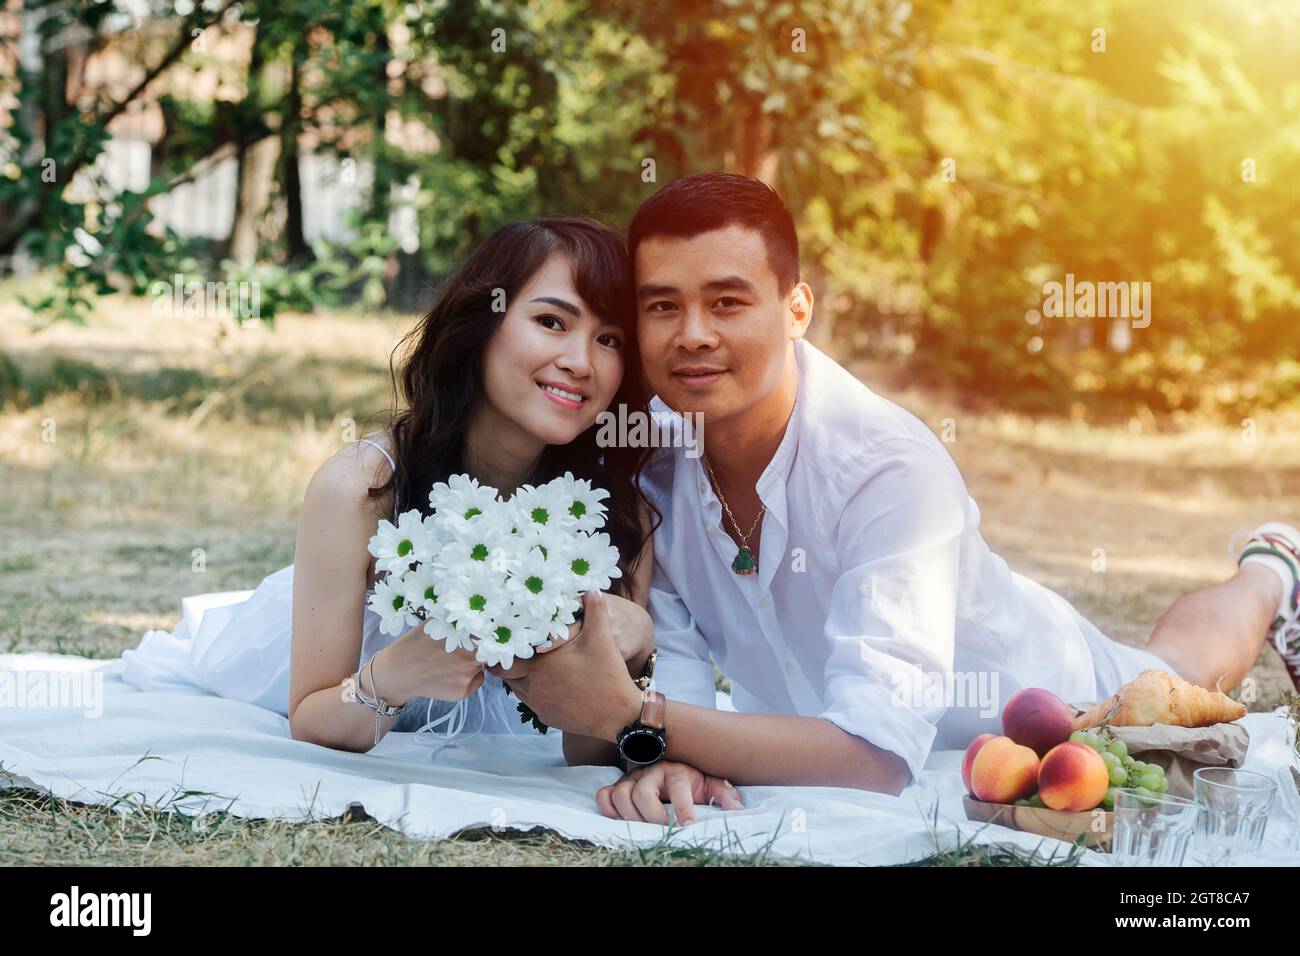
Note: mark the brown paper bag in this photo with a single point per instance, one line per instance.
(1181, 751)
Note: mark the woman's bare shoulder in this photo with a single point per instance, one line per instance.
(345, 478)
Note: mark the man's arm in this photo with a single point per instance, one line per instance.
(583, 687)
(744, 748)
(774, 750)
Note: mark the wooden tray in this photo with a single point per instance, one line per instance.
(1058, 824)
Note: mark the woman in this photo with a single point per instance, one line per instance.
(504, 379)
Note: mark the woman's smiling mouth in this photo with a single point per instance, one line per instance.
(562, 396)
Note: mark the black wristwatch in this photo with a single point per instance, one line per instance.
(644, 742)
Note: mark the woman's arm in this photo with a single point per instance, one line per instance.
(331, 565)
(589, 751)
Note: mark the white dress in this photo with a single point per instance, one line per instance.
(235, 644)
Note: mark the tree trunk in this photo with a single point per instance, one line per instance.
(295, 243)
(255, 167)
(253, 194)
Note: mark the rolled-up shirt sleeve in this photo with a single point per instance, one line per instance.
(683, 669)
(893, 609)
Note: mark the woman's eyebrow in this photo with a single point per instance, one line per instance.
(560, 303)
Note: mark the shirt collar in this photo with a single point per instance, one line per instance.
(771, 484)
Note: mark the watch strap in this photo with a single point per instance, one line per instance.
(654, 706)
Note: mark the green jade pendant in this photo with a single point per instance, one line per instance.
(744, 562)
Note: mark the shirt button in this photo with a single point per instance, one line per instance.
(789, 667)
(762, 602)
(703, 487)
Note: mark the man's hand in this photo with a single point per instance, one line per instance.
(641, 794)
(632, 630)
(582, 686)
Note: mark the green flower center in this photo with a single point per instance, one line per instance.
(477, 602)
(430, 594)
(580, 566)
(535, 584)
(540, 515)
(399, 601)
(405, 548)
(472, 513)
(578, 509)
(479, 552)
(503, 634)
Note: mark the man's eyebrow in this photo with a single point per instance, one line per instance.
(730, 284)
(725, 284)
(560, 303)
(649, 289)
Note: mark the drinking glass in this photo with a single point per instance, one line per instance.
(1232, 808)
(1151, 830)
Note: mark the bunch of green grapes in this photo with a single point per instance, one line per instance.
(1146, 779)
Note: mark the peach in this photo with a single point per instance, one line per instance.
(1072, 776)
(969, 759)
(1003, 771)
(1037, 719)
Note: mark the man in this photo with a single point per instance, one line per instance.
(823, 551)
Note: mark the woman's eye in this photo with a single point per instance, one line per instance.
(550, 322)
(611, 340)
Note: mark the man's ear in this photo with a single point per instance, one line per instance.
(799, 309)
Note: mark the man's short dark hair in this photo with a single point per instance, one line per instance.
(709, 201)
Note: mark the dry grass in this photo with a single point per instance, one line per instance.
(157, 437)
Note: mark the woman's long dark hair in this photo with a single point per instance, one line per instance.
(442, 371)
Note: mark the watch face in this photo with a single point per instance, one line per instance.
(642, 746)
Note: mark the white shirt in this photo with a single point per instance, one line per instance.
(874, 593)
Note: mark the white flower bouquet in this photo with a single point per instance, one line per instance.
(494, 576)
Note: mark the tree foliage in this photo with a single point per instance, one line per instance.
(945, 161)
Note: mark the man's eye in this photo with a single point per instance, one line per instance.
(727, 302)
(550, 322)
(662, 306)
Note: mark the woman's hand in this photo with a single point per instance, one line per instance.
(415, 665)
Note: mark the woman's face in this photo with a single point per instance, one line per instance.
(552, 365)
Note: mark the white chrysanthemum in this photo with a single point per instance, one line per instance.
(543, 508)
(421, 585)
(455, 489)
(396, 546)
(484, 541)
(509, 639)
(475, 598)
(586, 509)
(557, 628)
(390, 602)
(462, 500)
(440, 629)
(538, 584)
(592, 561)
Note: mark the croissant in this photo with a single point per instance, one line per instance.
(1158, 697)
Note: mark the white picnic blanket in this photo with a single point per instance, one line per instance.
(197, 753)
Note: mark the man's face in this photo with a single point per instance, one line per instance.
(712, 324)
